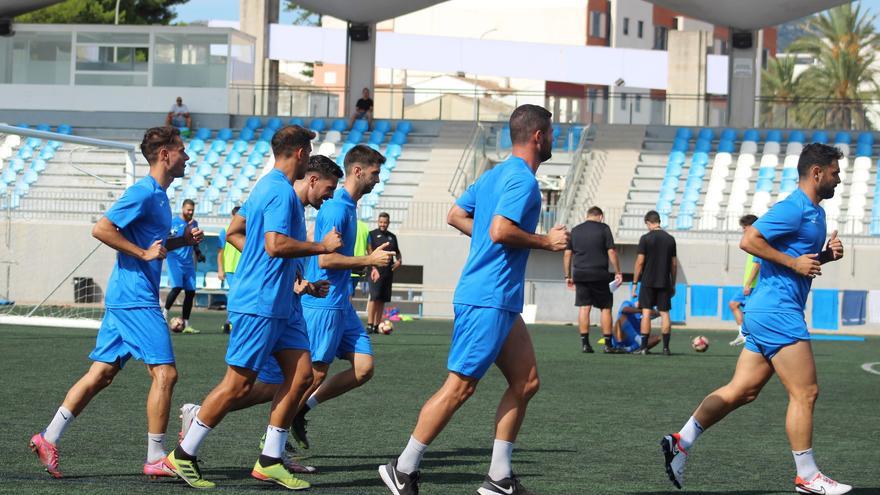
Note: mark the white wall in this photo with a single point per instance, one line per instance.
(110, 98)
(635, 11)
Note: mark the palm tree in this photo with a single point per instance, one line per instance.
(778, 92)
(836, 90)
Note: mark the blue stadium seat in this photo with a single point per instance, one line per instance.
(370, 199)
(382, 126)
(249, 171)
(788, 186)
(842, 138)
(680, 145)
(504, 140)
(393, 150)
(218, 146)
(197, 181)
(728, 135)
(253, 123)
(226, 208)
(47, 153)
(38, 165)
(404, 126)
(346, 147)
(706, 134)
(212, 194)
(690, 196)
(235, 194)
(664, 207)
(366, 212)
(764, 185)
(43, 127)
(190, 192)
(262, 148)
(726, 147)
(204, 168)
(296, 121)
(676, 157)
(204, 208)
(246, 134)
(379, 188)
(700, 159)
(688, 207)
(820, 137)
(54, 144)
(212, 158)
(30, 176)
(224, 134)
(751, 135)
(266, 134)
(233, 158)
(274, 123)
(864, 149)
(8, 176)
(790, 173)
(866, 137)
(767, 173)
(25, 153)
(796, 137)
(361, 125)
(255, 160)
(373, 146)
(684, 133)
(22, 187)
(240, 146)
(33, 142)
(65, 129)
(384, 174)
(670, 183)
(703, 146)
(674, 170)
(398, 138)
(225, 171)
(390, 163)
(17, 164)
(774, 136)
(241, 182)
(339, 125)
(376, 137)
(666, 195)
(196, 146)
(684, 222)
(354, 137)
(317, 125)
(22, 125)
(204, 133)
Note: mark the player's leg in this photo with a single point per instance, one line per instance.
(603, 300)
(737, 312)
(518, 365)
(189, 296)
(371, 321)
(736, 304)
(379, 311)
(584, 328)
(645, 329)
(354, 347)
(164, 377)
(170, 299)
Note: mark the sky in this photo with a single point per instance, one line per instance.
(227, 10)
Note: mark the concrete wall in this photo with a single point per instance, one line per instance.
(111, 98)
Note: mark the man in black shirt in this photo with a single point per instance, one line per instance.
(656, 267)
(585, 265)
(363, 109)
(381, 278)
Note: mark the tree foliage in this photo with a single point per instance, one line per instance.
(104, 12)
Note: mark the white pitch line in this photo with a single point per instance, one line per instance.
(869, 367)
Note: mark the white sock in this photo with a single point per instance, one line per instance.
(63, 418)
(155, 447)
(165, 314)
(690, 432)
(194, 437)
(500, 468)
(806, 465)
(185, 323)
(312, 402)
(274, 444)
(739, 329)
(411, 457)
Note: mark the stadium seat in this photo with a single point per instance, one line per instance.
(17, 164)
(393, 150)
(398, 138)
(796, 137)
(788, 186)
(262, 148)
(866, 138)
(249, 171)
(204, 133)
(379, 188)
(706, 134)
(373, 146)
(246, 134)
(361, 125)
(404, 126)
(22, 187)
(345, 148)
(317, 125)
(8, 176)
(25, 153)
(224, 134)
(751, 135)
(790, 174)
(354, 137)
(204, 168)
(39, 165)
(728, 135)
(842, 137)
(235, 194)
(766, 173)
(376, 137)
(864, 149)
(33, 142)
(684, 222)
(504, 141)
(820, 137)
(274, 123)
(190, 192)
(296, 121)
(240, 146)
(204, 208)
(390, 163)
(226, 208)
(225, 171)
(681, 145)
(255, 160)
(241, 182)
(253, 123)
(381, 126)
(212, 158)
(64, 129)
(764, 185)
(212, 194)
(333, 137)
(266, 134)
(774, 136)
(339, 125)
(683, 133)
(384, 175)
(218, 146)
(30, 176)
(47, 153)
(198, 181)
(196, 146)
(327, 148)
(233, 158)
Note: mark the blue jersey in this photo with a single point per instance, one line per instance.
(221, 238)
(264, 284)
(339, 212)
(494, 274)
(299, 223)
(143, 216)
(181, 258)
(630, 323)
(793, 226)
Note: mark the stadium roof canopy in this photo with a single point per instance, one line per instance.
(747, 14)
(12, 8)
(366, 11)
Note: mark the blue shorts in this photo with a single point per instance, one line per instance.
(141, 333)
(768, 333)
(294, 336)
(184, 278)
(252, 339)
(477, 337)
(230, 279)
(335, 333)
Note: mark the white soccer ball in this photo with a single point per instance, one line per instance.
(386, 327)
(176, 324)
(700, 343)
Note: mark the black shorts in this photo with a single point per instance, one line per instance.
(380, 290)
(596, 294)
(650, 297)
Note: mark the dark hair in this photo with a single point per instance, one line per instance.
(155, 138)
(385, 214)
(652, 217)
(746, 220)
(527, 119)
(323, 166)
(595, 211)
(817, 154)
(190, 202)
(290, 138)
(362, 154)
(235, 209)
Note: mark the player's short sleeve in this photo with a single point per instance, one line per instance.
(277, 212)
(643, 245)
(782, 219)
(757, 260)
(221, 238)
(517, 198)
(329, 216)
(128, 208)
(468, 199)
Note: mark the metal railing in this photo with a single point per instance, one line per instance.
(572, 183)
(472, 163)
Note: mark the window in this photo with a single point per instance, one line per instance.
(112, 58)
(623, 101)
(35, 58)
(597, 24)
(660, 37)
(626, 26)
(641, 33)
(638, 103)
(765, 58)
(195, 60)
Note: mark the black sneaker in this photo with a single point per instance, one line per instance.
(227, 327)
(587, 349)
(298, 429)
(507, 486)
(666, 351)
(399, 483)
(612, 350)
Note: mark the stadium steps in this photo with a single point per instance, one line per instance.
(620, 146)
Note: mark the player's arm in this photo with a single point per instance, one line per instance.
(615, 263)
(336, 261)
(236, 233)
(630, 310)
(106, 232)
(566, 266)
(221, 274)
(754, 243)
(505, 231)
(753, 275)
(190, 237)
(281, 246)
(673, 272)
(637, 272)
(398, 260)
(833, 250)
(460, 219)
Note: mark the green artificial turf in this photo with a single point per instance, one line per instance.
(593, 428)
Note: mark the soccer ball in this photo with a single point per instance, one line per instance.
(700, 343)
(176, 324)
(386, 327)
